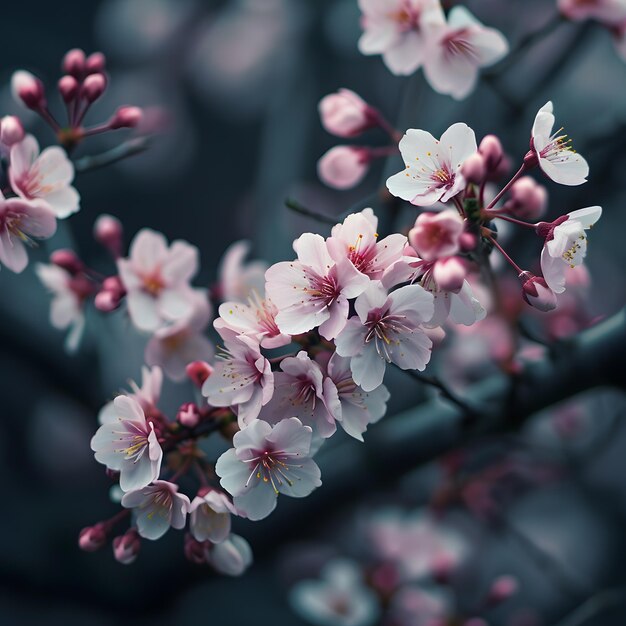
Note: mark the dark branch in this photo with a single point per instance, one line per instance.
(123, 151)
(296, 207)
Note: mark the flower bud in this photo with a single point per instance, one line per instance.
(502, 589)
(28, 89)
(343, 167)
(195, 551)
(96, 63)
(188, 414)
(230, 557)
(198, 372)
(536, 292)
(11, 130)
(474, 168)
(108, 232)
(126, 547)
(74, 62)
(68, 88)
(126, 117)
(450, 273)
(94, 87)
(92, 538)
(114, 285)
(68, 260)
(468, 242)
(346, 114)
(491, 150)
(527, 199)
(107, 301)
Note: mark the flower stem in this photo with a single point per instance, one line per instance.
(295, 206)
(506, 187)
(513, 220)
(518, 269)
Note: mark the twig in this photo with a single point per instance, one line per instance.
(123, 151)
(295, 206)
(595, 606)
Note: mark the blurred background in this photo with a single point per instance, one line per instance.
(236, 84)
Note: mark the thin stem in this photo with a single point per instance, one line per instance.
(383, 151)
(459, 206)
(504, 189)
(506, 256)
(48, 117)
(513, 220)
(384, 123)
(124, 150)
(295, 206)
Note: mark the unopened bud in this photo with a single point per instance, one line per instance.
(92, 538)
(527, 199)
(68, 260)
(468, 242)
(343, 167)
(96, 63)
(502, 589)
(74, 62)
(126, 547)
(346, 114)
(194, 550)
(94, 87)
(474, 168)
(108, 232)
(198, 372)
(126, 117)
(68, 88)
(188, 415)
(491, 150)
(536, 292)
(107, 301)
(450, 273)
(28, 89)
(11, 130)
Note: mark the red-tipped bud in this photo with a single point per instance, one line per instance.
(96, 63)
(107, 301)
(126, 547)
(527, 199)
(68, 88)
(126, 117)
(74, 62)
(11, 130)
(474, 168)
(468, 242)
(114, 284)
(198, 372)
(68, 260)
(502, 589)
(108, 232)
(536, 292)
(450, 273)
(491, 150)
(94, 87)
(28, 89)
(346, 114)
(194, 550)
(92, 538)
(188, 415)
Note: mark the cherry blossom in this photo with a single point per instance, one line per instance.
(346, 114)
(553, 151)
(22, 221)
(242, 378)
(209, 516)
(536, 292)
(437, 235)
(400, 30)
(266, 461)
(608, 12)
(313, 291)
(126, 442)
(156, 279)
(388, 329)
(565, 245)
(433, 167)
(156, 508)
(231, 557)
(46, 176)
(344, 167)
(239, 280)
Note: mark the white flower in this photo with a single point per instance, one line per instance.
(209, 516)
(231, 557)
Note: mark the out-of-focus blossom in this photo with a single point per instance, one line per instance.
(608, 12)
(457, 52)
(209, 516)
(46, 176)
(387, 329)
(126, 442)
(156, 278)
(338, 598)
(344, 167)
(313, 291)
(268, 460)
(436, 235)
(346, 114)
(231, 557)
(528, 200)
(27, 89)
(433, 167)
(566, 244)
(157, 507)
(421, 606)
(126, 547)
(108, 232)
(11, 132)
(400, 30)
(553, 152)
(239, 280)
(242, 378)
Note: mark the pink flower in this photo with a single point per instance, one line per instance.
(437, 235)
(346, 114)
(209, 516)
(268, 460)
(344, 167)
(126, 442)
(21, 221)
(608, 12)
(357, 240)
(554, 152)
(242, 378)
(301, 390)
(458, 50)
(565, 245)
(156, 279)
(528, 200)
(156, 508)
(314, 290)
(46, 176)
(388, 329)
(231, 557)
(174, 346)
(433, 168)
(399, 30)
(239, 280)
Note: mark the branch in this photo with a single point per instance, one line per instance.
(123, 151)
(296, 207)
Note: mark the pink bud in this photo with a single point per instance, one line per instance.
(450, 273)
(195, 551)
(92, 538)
(474, 168)
(28, 89)
(188, 415)
(11, 130)
(126, 547)
(68, 88)
(468, 241)
(108, 232)
(502, 589)
(114, 284)
(343, 167)
(106, 301)
(491, 150)
(126, 117)
(96, 63)
(74, 62)
(527, 199)
(68, 260)
(346, 114)
(198, 372)
(94, 87)
(436, 235)
(536, 292)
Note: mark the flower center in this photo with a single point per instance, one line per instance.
(381, 328)
(153, 283)
(442, 177)
(406, 17)
(458, 44)
(271, 467)
(322, 287)
(557, 146)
